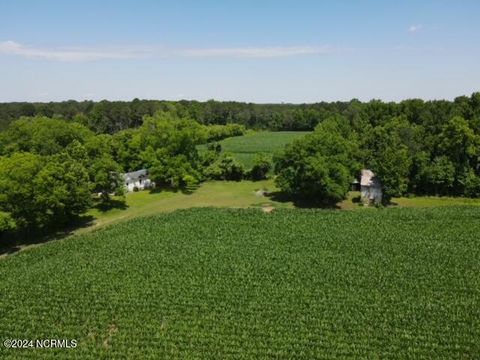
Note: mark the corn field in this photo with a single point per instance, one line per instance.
(225, 284)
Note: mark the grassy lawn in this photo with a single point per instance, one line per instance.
(234, 194)
(432, 201)
(351, 202)
(240, 194)
(244, 148)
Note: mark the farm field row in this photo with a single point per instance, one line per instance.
(240, 283)
(237, 194)
(228, 194)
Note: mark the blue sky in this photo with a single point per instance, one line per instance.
(258, 51)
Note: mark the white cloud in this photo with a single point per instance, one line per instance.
(415, 28)
(256, 52)
(88, 54)
(65, 54)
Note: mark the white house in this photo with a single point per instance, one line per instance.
(138, 179)
(370, 188)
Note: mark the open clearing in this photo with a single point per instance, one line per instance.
(225, 194)
(240, 283)
(233, 194)
(244, 148)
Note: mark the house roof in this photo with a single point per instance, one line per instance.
(135, 175)
(367, 177)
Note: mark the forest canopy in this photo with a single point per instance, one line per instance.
(113, 116)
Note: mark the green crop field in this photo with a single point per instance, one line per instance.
(239, 283)
(244, 148)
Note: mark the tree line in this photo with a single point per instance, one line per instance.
(437, 158)
(109, 117)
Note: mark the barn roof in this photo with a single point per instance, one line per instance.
(367, 177)
(135, 175)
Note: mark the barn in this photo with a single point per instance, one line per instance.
(370, 188)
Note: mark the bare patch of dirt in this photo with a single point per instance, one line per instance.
(268, 209)
(262, 192)
(112, 330)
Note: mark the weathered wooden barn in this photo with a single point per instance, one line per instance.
(370, 188)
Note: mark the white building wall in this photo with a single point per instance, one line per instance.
(144, 184)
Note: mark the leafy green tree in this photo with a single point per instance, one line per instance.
(167, 147)
(262, 164)
(418, 173)
(27, 109)
(100, 145)
(109, 117)
(207, 158)
(17, 188)
(126, 150)
(392, 166)
(315, 178)
(441, 175)
(173, 172)
(106, 177)
(390, 159)
(6, 222)
(41, 135)
(78, 153)
(471, 184)
(43, 192)
(226, 167)
(219, 132)
(459, 142)
(62, 190)
(475, 104)
(432, 177)
(174, 134)
(80, 118)
(319, 167)
(215, 147)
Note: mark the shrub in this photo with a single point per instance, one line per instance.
(174, 172)
(262, 164)
(215, 147)
(6, 222)
(219, 132)
(472, 184)
(225, 168)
